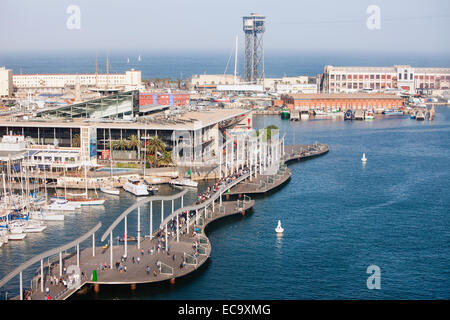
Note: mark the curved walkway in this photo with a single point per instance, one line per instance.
(157, 261)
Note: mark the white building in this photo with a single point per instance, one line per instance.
(271, 84)
(210, 81)
(402, 77)
(129, 80)
(6, 83)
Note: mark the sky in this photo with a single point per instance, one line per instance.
(211, 26)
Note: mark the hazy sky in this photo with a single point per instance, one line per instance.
(209, 25)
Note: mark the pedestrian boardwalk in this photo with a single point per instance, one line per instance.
(179, 246)
(180, 259)
(264, 183)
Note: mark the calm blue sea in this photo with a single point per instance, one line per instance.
(183, 65)
(339, 215)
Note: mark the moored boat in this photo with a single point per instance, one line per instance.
(285, 113)
(393, 112)
(110, 190)
(184, 182)
(136, 187)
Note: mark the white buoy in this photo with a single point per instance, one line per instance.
(364, 159)
(279, 229)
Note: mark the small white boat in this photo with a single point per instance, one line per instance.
(279, 229)
(184, 182)
(86, 201)
(110, 190)
(364, 159)
(16, 231)
(34, 227)
(46, 216)
(136, 187)
(60, 205)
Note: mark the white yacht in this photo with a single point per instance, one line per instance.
(46, 216)
(33, 226)
(60, 205)
(16, 230)
(136, 187)
(110, 190)
(184, 182)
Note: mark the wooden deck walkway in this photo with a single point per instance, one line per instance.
(136, 273)
(183, 256)
(262, 184)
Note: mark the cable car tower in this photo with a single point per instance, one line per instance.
(254, 27)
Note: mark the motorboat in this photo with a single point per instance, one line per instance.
(110, 190)
(62, 200)
(420, 116)
(279, 229)
(285, 113)
(369, 115)
(184, 182)
(320, 113)
(152, 189)
(86, 201)
(136, 187)
(349, 115)
(393, 112)
(16, 230)
(32, 226)
(46, 216)
(60, 205)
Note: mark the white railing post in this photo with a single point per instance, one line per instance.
(151, 220)
(126, 238)
(139, 229)
(93, 244)
(111, 248)
(42, 275)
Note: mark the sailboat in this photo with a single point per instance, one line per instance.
(139, 58)
(83, 198)
(128, 60)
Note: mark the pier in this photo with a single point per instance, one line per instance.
(271, 180)
(179, 246)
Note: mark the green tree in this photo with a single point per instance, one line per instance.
(155, 145)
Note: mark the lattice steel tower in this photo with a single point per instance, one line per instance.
(254, 27)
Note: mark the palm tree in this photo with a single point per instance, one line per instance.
(134, 142)
(155, 145)
(166, 158)
(120, 144)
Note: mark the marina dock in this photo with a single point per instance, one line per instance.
(178, 247)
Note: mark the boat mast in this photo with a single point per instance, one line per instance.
(235, 60)
(6, 200)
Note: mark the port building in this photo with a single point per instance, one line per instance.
(402, 77)
(56, 83)
(341, 101)
(89, 128)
